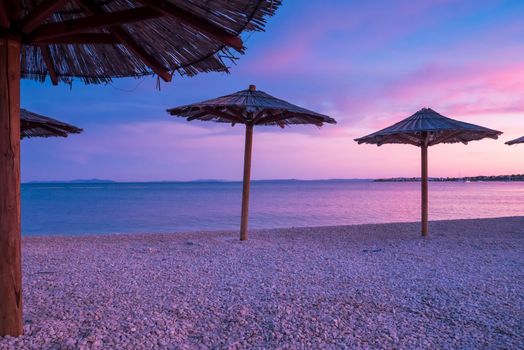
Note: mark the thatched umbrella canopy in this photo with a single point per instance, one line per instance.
(36, 125)
(428, 128)
(95, 41)
(514, 142)
(250, 107)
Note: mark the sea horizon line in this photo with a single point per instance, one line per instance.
(508, 177)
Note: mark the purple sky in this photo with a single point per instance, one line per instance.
(366, 63)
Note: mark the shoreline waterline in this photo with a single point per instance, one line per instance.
(253, 232)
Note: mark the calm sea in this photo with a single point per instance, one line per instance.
(173, 207)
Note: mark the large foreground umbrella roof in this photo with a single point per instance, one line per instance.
(36, 125)
(428, 123)
(250, 106)
(514, 142)
(97, 40)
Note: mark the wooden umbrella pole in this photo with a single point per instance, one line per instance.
(10, 254)
(247, 179)
(424, 186)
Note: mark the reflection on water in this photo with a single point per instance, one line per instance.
(171, 207)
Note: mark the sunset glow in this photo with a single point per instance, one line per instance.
(366, 65)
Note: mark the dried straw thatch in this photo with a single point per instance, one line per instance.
(97, 40)
(423, 129)
(36, 125)
(250, 106)
(514, 142)
(429, 127)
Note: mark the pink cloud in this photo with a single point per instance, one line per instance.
(460, 90)
(309, 42)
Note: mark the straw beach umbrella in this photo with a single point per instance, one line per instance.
(514, 142)
(95, 41)
(423, 129)
(36, 125)
(249, 107)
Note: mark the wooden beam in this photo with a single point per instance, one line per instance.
(197, 116)
(444, 138)
(403, 138)
(65, 28)
(318, 121)
(39, 14)
(123, 37)
(272, 119)
(148, 60)
(11, 321)
(260, 114)
(239, 113)
(309, 116)
(52, 130)
(4, 17)
(46, 55)
(79, 39)
(225, 115)
(200, 24)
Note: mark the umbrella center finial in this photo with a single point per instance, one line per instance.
(252, 87)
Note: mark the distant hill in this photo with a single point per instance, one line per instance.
(77, 181)
(202, 180)
(97, 181)
(93, 181)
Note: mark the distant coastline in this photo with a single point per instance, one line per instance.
(77, 181)
(503, 178)
(481, 178)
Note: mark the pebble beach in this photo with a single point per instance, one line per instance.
(364, 286)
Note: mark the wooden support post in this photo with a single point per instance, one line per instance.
(424, 187)
(4, 18)
(10, 255)
(247, 179)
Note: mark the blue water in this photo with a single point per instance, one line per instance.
(175, 207)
